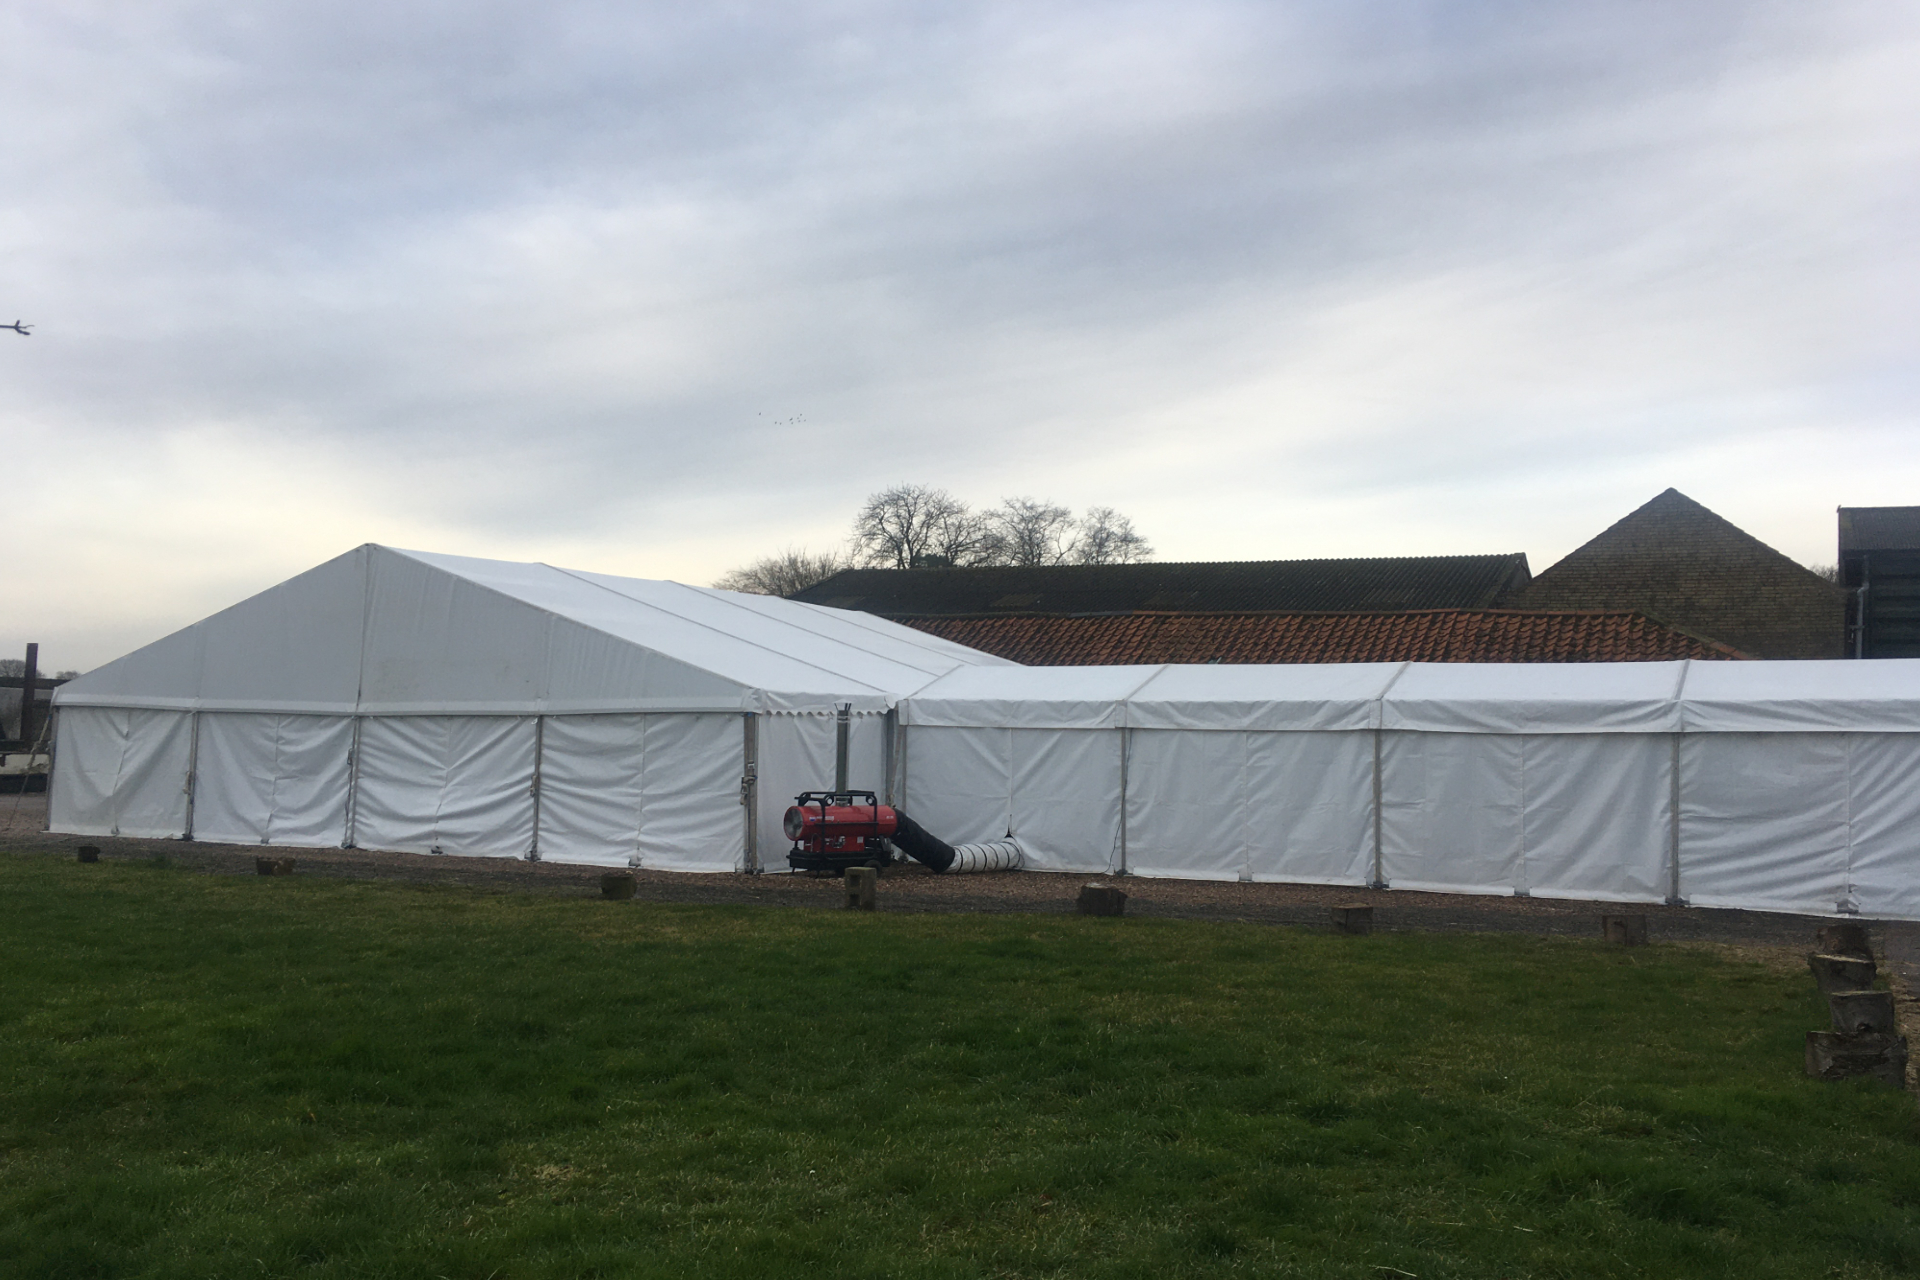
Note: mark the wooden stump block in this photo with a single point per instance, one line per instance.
(1832, 1056)
(1627, 931)
(273, 866)
(1352, 919)
(1843, 940)
(1101, 900)
(862, 882)
(1861, 1013)
(1841, 973)
(88, 853)
(617, 884)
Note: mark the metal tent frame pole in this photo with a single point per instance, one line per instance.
(750, 791)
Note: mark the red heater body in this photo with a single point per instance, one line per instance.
(834, 830)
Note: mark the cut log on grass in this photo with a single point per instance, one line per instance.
(1832, 1056)
(617, 884)
(273, 866)
(1101, 900)
(862, 883)
(1352, 919)
(1862, 1013)
(1627, 931)
(1841, 973)
(1843, 940)
(88, 853)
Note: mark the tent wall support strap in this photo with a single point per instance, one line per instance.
(349, 839)
(1379, 880)
(889, 749)
(1126, 753)
(539, 758)
(1673, 825)
(750, 790)
(193, 770)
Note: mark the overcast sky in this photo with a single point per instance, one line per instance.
(655, 289)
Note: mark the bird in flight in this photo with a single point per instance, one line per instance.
(24, 330)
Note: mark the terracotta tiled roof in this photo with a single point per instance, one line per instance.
(1679, 561)
(1374, 582)
(1431, 635)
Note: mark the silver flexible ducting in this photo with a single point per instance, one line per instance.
(995, 855)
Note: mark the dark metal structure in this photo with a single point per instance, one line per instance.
(1880, 570)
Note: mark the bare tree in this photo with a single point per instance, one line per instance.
(1107, 537)
(784, 574)
(1831, 572)
(911, 526)
(1033, 533)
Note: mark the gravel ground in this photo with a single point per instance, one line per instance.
(914, 889)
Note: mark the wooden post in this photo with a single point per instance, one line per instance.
(1841, 973)
(1832, 1056)
(617, 884)
(1627, 931)
(1101, 900)
(1352, 919)
(1843, 940)
(1862, 1013)
(861, 883)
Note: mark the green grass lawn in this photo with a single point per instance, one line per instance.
(211, 1077)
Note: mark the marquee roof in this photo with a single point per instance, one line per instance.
(411, 632)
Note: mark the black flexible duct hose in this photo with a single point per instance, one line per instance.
(915, 841)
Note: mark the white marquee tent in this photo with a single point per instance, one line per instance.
(415, 702)
(1785, 786)
(427, 703)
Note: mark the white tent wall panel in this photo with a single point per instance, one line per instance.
(1309, 806)
(448, 784)
(1188, 804)
(1884, 807)
(1597, 810)
(1451, 812)
(1763, 820)
(796, 754)
(691, 818)
(269, 779)
(959, 782)
(592, 771)
(1055, 790)
(121, 772)
(1065, 804)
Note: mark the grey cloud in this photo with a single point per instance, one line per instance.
(576, 268)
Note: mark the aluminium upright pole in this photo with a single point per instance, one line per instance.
(193, 770)
(750, 791)
(1379, 851)
(539, 758)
